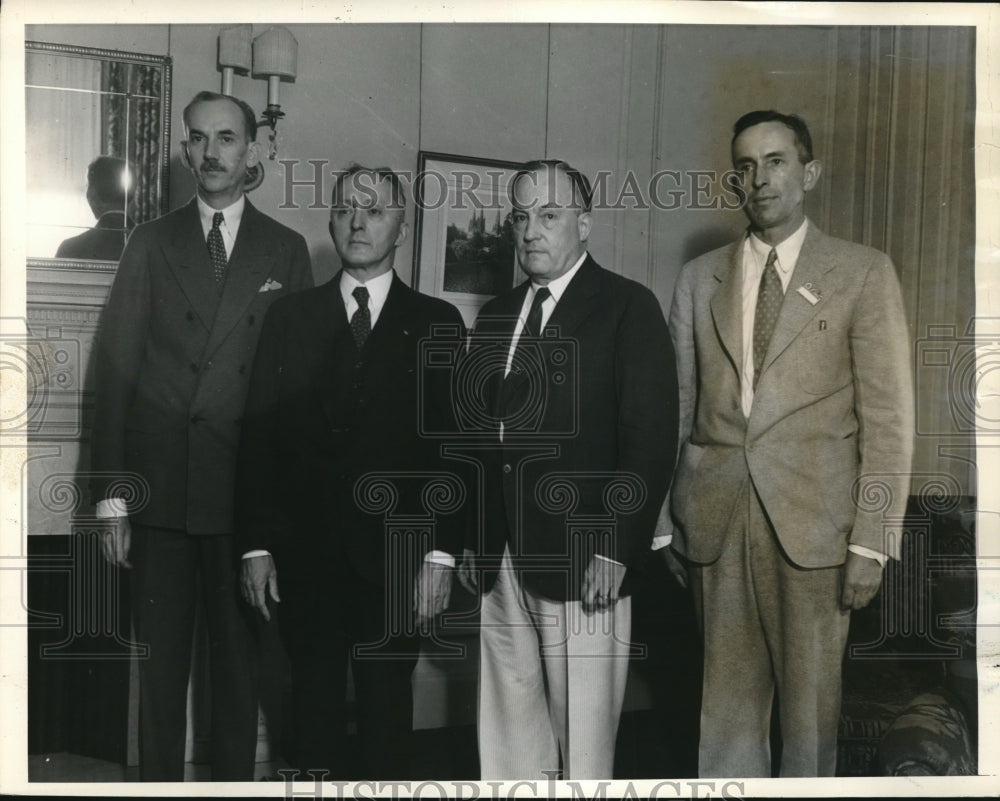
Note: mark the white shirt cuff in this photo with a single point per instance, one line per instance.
(440, 558)
(607, 559)
(861, 550)
(661, 541)
(112, 507)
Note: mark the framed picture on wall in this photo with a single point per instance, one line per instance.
(464, 251)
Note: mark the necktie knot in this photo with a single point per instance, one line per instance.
(361, 295)
(772, 257)
(217, 219)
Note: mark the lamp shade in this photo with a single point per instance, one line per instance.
(234, 47)
(275, 52)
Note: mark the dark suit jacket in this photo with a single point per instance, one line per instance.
(103, 242)
(320, 416)
(174, 358)
(603, 438)
(830, 436)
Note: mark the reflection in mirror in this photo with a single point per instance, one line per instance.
(97, 147)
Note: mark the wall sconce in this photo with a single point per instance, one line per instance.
(272, 55)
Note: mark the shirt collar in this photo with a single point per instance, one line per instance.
(378, 288)
(558, 285)
(231, 214)
(788, 249)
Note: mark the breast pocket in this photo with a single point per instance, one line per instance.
(823, 360)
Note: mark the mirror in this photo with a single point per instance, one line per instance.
(97, 148)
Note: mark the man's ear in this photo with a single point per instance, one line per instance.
(584, 221)
(253, 153)
(404, 229)
(184, 154)
(812, 173)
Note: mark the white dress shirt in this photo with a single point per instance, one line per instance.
(232, 216)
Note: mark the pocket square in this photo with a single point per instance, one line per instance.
(269, 285)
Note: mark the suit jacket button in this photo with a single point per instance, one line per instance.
(196, 418)
(507, 468)
(189, 316)
(194, 367)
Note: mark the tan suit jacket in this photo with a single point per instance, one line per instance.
(829, 440)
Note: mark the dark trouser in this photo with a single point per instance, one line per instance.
(323, 623)
(169, 567)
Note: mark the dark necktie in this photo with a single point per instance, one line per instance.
(361, 320)
(769, 297)
(533, 325)
(217, 248)
(532, 330)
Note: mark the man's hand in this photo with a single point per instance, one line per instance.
(431, 591)
(256, 574)
(674, 565)
(601, 583)
(468, 577)
(117, 541)
(862, 577)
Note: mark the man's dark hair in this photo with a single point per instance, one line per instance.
(582, 193)
(803, 141)
(249, 116)
(398, 196)
(110, 184)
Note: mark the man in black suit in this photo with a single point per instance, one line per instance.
(173, 362)
(110, 188)
(334, 398)
(584, 395)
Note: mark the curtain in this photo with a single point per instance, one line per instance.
(903, 107)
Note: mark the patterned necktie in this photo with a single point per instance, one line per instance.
(769, 297)
(361, 320)
(217, 248)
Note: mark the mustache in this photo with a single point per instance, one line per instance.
(211, 166)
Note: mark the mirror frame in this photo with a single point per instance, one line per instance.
(165, 63)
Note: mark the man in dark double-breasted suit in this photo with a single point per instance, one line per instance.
(172, 368)
(340, 440)
(577, 376)
(797, 433)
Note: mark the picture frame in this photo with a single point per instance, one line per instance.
(463, 250)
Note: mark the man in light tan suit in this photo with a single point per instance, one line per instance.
(796, 412)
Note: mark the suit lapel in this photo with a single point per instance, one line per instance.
(186, 255)
(497, 330)
(796, 311)
(727, 304)
(248, 265)
(330, 332)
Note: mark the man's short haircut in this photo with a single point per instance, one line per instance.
(110, 181)
(582, 193)
(206, 96)
(397, 199)
(803, 141)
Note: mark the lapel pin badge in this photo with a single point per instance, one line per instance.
(810, 293)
